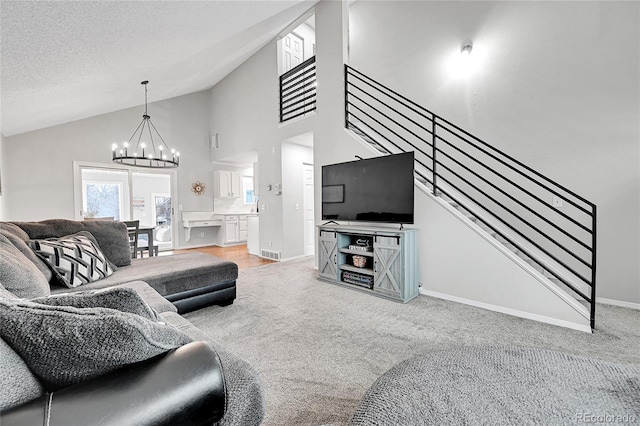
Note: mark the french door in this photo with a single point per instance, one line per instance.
(119, 193)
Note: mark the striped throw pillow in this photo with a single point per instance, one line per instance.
(75, 259)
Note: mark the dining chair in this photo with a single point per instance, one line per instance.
(144, 245)
(132, 230)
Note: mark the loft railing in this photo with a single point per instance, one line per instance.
(540, 220)
(298, 90)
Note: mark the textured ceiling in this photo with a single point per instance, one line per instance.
(66, 60)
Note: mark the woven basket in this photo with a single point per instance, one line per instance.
(359, 261)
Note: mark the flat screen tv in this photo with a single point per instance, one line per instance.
(371, 190)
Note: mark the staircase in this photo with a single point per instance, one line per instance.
(532, 218)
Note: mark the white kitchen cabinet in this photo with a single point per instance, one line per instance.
(227, 184)
(231, 230)
(243, 226)
(235, 229)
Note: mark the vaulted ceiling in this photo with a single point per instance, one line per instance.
(66, 60)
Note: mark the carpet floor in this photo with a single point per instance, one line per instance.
(318, 347)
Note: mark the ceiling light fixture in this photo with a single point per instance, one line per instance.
(141, 156)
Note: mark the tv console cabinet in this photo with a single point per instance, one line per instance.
(378, 260)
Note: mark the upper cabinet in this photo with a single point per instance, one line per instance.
(227, 184)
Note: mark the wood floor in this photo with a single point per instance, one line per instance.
(237, 254)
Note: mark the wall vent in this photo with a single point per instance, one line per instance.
(268, 254)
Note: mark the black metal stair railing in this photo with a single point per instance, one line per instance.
(540, 220)
(298, 90)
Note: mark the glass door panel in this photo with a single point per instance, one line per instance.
(151, 205)
(105, 193)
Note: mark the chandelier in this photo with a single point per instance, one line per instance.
(143, 155)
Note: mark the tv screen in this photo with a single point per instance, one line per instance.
(372, 190)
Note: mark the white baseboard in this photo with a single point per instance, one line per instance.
(620, 303)
(527, 315)
(289, 259)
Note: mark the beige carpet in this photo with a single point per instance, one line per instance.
(318, 346)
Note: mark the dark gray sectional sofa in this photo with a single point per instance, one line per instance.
(190, 280)
(169, 285)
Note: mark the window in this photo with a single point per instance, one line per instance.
(103, 199)
(163, 209)
(247, 190)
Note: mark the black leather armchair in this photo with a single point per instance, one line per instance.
(181, 387)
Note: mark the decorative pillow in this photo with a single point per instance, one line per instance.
(93, 239)
(18, 274)
(24, 248)
(75, 259)
(123, 299)
(64, 345)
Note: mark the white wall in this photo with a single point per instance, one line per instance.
(2, 172)
(556, 86)
(489, 278)
(39, 178)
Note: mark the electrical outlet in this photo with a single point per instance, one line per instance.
(202, 235)
(270, 243)
(557, 202)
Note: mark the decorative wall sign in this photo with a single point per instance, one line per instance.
(198, 188)
(138, 203)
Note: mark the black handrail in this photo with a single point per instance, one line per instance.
(492, 181)
(358, 74)
(298, 67)
(298, 90)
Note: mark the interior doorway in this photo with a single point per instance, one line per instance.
(297, 197)
(296, 44)
(292, 51)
